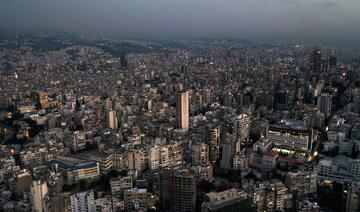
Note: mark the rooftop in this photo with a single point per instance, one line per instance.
(290, 125)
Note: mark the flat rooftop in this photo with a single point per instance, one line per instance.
(294, 125)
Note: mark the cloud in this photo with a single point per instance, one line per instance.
(330, 4)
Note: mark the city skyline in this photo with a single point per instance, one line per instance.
(179, 106)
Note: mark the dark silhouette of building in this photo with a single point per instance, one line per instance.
(316, 60)
(124, 61)
(177, 190)
(333, 61)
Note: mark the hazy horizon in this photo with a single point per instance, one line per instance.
(250, 19)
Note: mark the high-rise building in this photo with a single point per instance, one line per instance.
(124, 61)
(228, 151)
(271, 196)
(176, 151)
(303, 181)
(282, 99)
(324, 102)
(38, 192)
(182, 191)
(78, 141)
(41, 98)
(82, 202)
(200, 154)
(241, 129)
(138, 159)
(182, 110)
(24, 181)
(316, 60)
(112, 120)
(206, 95)
(212, 138)
(177, 190)
(158, 157)
(161, 156)
(333, 61)
(282, 195)
(353, 197)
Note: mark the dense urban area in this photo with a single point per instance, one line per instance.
(105, 124)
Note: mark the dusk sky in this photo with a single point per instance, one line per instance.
(251, 19)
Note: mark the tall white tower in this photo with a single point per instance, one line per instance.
(182, 110)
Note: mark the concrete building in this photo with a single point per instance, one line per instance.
(74, 169)
(158, 157)
(303, 181)
(199, 154)
(288, 135)
(138, 159)
(178, 190)
(79, 140)
(165, 155)
(41, 98)
(316, 60)
(227, 154)
(242, 128)
(212, 138)
(227, 201)
(24, 181)
(120, 184)
(182, 110)
(182, 191)
(324, 102)
(339, 168)
(353, 197)
(83, 202)
(265, 161)
(104, 160)
(39, 191)
(139, 200)
(112, 120)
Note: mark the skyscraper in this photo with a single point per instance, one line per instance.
(124, 61)
(212, 138)
(112, 120)
(324, 104)
(182, 191)
(182, 110)
(316, 60)
(282, 98)
(242, 129)
(333, 59)
(177, 190)
(227, 154)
